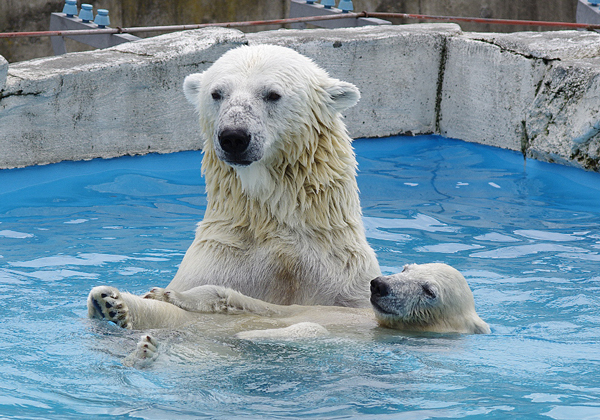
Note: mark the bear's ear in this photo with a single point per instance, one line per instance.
(343, 94)
(191, 88)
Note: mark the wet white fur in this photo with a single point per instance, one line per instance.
(447, 308)
(428, 297)
(286, 229)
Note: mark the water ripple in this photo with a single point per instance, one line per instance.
(529, 250)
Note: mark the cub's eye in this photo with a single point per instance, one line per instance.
(272, 96)
(429, 291)
(216, 95)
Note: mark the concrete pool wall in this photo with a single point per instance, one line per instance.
(533, 92)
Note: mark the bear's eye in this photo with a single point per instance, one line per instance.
(272, 96)
(216, 95)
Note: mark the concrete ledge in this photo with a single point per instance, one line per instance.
(557, 113)
(486, 92)
(538, 93)
(3, 72)
(123, 100)
(396, 69)
(563, 123)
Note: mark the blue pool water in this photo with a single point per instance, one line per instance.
(527, 238)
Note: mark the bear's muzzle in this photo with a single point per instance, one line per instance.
(234, 144)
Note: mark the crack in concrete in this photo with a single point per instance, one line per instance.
(139, 54)
(440, 84)
(511, 51)
(525, 140)
(19, 92)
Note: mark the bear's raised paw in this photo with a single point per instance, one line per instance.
(105, 302)
(145, 353)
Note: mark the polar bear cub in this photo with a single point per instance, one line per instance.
(427, 297)
(422, 298)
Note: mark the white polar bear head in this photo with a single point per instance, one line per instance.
(255, 101)
(427, 297)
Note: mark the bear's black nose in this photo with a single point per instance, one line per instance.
(379, 288)
(234, 142)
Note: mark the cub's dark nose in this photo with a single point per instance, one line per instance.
(379, 288)
(234, 142)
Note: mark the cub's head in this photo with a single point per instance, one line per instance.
(254, 99)
(427, 297)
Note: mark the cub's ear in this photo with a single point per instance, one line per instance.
(191, 88)
(343, 94)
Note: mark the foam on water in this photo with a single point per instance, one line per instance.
(526, 237)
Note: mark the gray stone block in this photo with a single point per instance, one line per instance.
(486, 93)
(395, 68)
(123, 100)
(538, 93)
(3, 72)
(563, 123)
(561, 120)
(552, 45)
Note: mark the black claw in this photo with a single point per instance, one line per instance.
(98, 307)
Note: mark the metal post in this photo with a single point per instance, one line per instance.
(62, 22)
(302, 8)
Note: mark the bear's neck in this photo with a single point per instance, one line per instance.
(311, 184)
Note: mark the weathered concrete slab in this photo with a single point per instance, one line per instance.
(486, 93)
(563, 123)
(395, 68)
(538, 93)
(3, 72)
(123, 100)
(543, 99)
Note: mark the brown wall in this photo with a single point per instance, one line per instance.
(34, 15)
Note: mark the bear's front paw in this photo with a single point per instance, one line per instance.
(156, 293)
(105, 302)
(211, 299)
(169, 296)
(145, 353)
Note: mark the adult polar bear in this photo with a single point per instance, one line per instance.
(283, 220)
